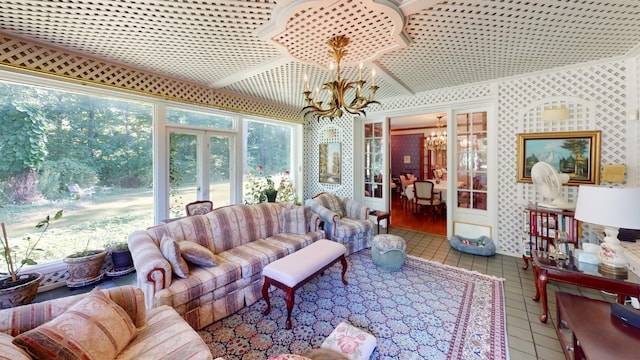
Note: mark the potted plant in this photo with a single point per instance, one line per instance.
(17, 288)
(85, 267)
(120, 257)
(270, 192)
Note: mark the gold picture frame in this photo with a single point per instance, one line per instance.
(576, 153)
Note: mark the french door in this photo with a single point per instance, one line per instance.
(200, 168)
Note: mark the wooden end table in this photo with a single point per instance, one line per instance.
(579, 274)
(587, 330)
(381, 215)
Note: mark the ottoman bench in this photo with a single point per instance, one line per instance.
(295, 270)
(388, 251)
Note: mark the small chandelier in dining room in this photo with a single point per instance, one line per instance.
(338, 88)
(438, 139)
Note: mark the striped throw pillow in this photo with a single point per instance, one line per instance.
(93, 328)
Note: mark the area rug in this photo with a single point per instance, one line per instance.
(425, 311)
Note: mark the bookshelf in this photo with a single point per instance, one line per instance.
(541, 226)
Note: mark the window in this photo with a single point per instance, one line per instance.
(90, 156)
(268, 154)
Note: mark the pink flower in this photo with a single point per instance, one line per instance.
(349, 343)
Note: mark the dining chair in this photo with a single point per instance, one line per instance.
(199, 207)
(425, 196)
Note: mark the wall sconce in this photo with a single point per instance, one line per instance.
(556, 114)
(613, 173)
(632, 115)
(329, 134)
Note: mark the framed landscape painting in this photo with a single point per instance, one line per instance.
(576, 153)
(330, 163)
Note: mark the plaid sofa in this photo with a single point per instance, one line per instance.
(244, 239)
(345, 220)
(162, 333)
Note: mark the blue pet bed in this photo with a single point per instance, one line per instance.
(479, 246)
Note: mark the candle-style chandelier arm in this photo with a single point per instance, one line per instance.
(338, 87)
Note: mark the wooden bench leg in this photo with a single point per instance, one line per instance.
(343, 261)
(290, 298)
(265, 295)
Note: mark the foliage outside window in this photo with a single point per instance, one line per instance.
(90, 156)
(268, 154)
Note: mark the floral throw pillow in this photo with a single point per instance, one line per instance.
(93, 328)
(351, 342)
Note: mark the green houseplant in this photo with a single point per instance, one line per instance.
(17, 288)
(85, 267)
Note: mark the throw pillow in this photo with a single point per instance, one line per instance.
(93, 328)
(197, 254)
(9, 350)
(171, 251)
(293, 220)
(334, 204)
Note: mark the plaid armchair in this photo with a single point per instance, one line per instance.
(345, 220)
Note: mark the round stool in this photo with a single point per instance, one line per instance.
(388, 251)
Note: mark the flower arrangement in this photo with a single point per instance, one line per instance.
(256, 187)
(286, 190)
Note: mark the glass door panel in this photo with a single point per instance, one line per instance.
(220, 159)
(183, 172)
(373, 160)
(471, 149)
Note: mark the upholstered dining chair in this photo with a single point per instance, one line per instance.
(424, 195)
(199, 207)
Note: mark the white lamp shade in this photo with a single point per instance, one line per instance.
(614, 207)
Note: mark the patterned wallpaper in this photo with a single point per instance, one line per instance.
(405, 145)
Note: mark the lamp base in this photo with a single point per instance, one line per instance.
(613, 271)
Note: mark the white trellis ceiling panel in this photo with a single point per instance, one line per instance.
(222, 44)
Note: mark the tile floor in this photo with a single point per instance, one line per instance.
(528, 337)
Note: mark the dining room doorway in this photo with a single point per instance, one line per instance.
(418, 149)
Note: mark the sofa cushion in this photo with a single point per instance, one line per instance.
(293, 220)
(171, 251)
(350, 227)
(201, 280)
(94, 328)
(254, 256)
(196, 254)
(166, 336)
(294, 242)
(9, 350)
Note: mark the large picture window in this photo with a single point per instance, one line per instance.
(89, 156)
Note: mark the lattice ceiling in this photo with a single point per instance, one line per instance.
(416, 45)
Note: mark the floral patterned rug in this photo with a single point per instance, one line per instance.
(425, 311)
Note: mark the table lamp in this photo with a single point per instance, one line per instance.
(612, 208)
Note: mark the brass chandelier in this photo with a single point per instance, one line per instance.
(338, 88)
(437, 140)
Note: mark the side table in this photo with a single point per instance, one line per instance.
(381, 215)
(545, 268)
(587, 330)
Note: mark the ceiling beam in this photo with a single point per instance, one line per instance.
(243, 74)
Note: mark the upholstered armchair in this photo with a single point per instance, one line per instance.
(345, 220)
